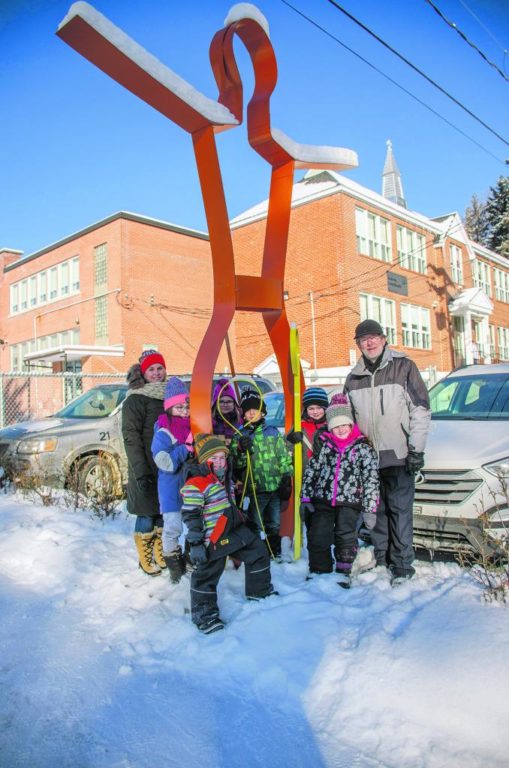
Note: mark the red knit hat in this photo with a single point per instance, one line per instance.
(151, 357)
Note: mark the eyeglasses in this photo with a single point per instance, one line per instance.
(372, 337)
(183, 407)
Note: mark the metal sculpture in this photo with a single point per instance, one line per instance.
(110, 49)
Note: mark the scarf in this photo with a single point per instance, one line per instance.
(179, 426)
(342, 443)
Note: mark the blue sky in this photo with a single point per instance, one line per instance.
(76, 147)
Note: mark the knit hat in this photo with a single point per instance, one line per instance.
(369, 328)
(251, 399)
(339, 411)
(206, 446)
(151, 357)
(315, 396)
(223, 388)
(176, 392)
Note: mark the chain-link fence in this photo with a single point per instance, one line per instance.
(26, 396)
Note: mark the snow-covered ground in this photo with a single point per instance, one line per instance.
(101, 667)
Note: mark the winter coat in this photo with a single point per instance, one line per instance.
(170, 459)
(270, 458)
(210, 513)
(338, 477)
(309, 429)
(140, 411)
(391, 406)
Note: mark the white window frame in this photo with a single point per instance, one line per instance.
(382, 310)
(373, 235)
(456, 256)
(42, 287)
(501, 285)
(14, 299)
(481, 274)
(503, 343)
(415, 326)
(75, 275)
(411, 249)
(23, 297)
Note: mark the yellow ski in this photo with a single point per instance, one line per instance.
(297, 453)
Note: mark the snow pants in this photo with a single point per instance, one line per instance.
(205, 578)
(392, 535)
(269, 509)
(332, 525)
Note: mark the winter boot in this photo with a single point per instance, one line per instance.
(158, 549)
(144, 547)
(211, 625)
(176, 565)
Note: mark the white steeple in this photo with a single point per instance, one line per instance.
(392, 188)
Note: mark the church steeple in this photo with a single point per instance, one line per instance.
(392, 188)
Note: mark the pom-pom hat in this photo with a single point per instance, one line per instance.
(151, 357)
(206, 446)
(339, 411)
(176, 392)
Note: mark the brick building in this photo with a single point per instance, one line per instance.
(94, 300)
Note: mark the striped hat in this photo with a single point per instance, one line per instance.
(339, 411)
(315, 396)
(206, 446)
(175, 393)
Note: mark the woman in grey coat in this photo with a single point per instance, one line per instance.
(140, 411)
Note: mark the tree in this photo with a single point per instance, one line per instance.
(475, 221)
(497, 215)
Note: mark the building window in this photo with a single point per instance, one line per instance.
(42, 287)
(415, 325)
(382, 310)
(14, 298)
(502, 285)
(411, 250)
(24, 295)
(482, 276)
(33, 291)
(491, 331)
(101, 318)
(15, 357)
(53, 283)
(75, 275)
(373, 235)
(64, 278)
(503, 343)
(456, 265)
(101, 265)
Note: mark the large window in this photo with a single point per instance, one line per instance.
(503, 343)
(502, 285)
(382, 310)
(415, 325)
(46, 286)
(456, 265)
(373, 235)
(482, 276)
(71, 336)
(411, 249)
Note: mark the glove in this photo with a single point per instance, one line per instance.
(198, 554)
(306, 510)
(369, 519)
(145, 483)
(414, 462)
(245, 444)
(294, 437)
(285, 488)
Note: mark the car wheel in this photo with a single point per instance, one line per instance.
(99, 477)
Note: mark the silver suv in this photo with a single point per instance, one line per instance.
(82, 443)
(462, 494)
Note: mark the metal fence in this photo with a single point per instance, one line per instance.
(26, 396)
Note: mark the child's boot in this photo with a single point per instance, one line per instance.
(176, 565)
(158, 549)
(144, 547)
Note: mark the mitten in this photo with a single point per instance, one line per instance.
(414, 462)
(285, 488)
(245, 444)
(294, 437)
(198, 554)
(306, 510)
(145, 483)
(369, 519)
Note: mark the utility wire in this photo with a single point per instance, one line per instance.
(394, 82)
(463, 36)
(416, 69)
(502, 47)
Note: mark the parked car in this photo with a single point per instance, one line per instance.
(82, 443)
(462, 494)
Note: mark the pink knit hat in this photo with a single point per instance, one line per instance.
(176, 392)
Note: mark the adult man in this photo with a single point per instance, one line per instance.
(391, 406)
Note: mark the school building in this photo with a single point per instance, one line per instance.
(94, 300)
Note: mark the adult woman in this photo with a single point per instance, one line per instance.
(140, 410)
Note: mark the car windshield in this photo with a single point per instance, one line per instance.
(275, 402)
(97, 403)
(481, 396)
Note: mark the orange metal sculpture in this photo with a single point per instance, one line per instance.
(106, 46)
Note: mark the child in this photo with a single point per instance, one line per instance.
(314, 403)
(271, 466)
(217, 529)
(225, 409)
(171, 446)
(340, 483)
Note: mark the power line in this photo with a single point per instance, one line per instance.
(394, 82)
(416, 69)
(502, 47)
(463, 36)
